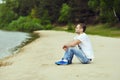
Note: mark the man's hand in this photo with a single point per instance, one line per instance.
(71, 44)
(65, 47)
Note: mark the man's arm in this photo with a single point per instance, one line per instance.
(71, 44)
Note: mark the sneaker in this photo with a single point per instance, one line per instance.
(62, 62)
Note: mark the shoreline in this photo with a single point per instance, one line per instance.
(39, 56)
(16, 50)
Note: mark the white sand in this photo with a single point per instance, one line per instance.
(36, 60)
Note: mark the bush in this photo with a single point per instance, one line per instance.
(25, 24)
(28, 24)
(70, 26)
(48, 27)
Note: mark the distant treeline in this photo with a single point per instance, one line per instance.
(34, 14)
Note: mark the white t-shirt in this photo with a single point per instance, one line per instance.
(85, 45)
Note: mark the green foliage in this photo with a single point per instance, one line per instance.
(12, 4)
(64, 13)
(25, 24)
(52, 7)
(108, 9)
(6, 15)
(117, 9)
(48, 27)
(70, 26)
(28, 24)
(54, 11)
(80, 12)
(34, 13)
(45, 18)
(93, 3)
(24, 7)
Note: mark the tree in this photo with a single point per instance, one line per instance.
(6, 15)
(116, 9)
(65, 14)
(52, 6)
(25, 6)
(108, 10)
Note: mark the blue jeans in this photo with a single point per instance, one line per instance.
(78, 53)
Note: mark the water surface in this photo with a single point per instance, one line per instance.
(9, 40)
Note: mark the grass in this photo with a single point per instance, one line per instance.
(103, 30)
(100, 29)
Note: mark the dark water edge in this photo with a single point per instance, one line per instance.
(33, 36)
(15, 50)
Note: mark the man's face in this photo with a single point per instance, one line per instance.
(78, 29)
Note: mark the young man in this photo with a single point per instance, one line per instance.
(80, 47)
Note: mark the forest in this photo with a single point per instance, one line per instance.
(30, 15)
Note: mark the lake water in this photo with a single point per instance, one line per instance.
(9, 40)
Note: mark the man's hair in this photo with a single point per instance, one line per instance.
(83, 26)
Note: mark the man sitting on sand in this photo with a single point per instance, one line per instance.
(80, 47)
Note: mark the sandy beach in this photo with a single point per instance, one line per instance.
(35, 61)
